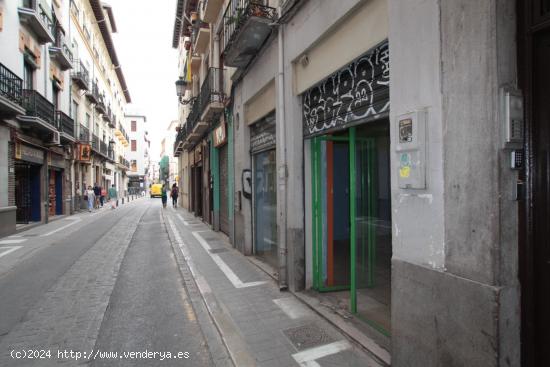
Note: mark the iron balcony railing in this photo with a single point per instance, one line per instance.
(111, 154)
(181, 135)
(195, 114)
(60, 43)
(38, 106)
(65, 124)
(103, 148)
(238, 12)
(37, 6)
(93, 93)
(11, 85)
(84, 133)
(95, 142)
(80, 74)
(211, 90)
(123, 161)
(100, 106)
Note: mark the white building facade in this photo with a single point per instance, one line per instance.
(138, 152)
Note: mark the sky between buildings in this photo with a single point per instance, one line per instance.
(150, 64)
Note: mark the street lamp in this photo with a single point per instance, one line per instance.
(182, 86)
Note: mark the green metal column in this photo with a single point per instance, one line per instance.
(215, 172)
(352, 214)
(230, 168)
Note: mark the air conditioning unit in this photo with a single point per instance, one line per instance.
(54, 140)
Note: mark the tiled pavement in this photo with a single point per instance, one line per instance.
(256, 321)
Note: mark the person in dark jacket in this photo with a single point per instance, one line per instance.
(97, 195)
(174, 195)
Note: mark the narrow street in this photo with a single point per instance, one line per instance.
(143, 286)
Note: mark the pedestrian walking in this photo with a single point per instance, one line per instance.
(113, 196)
(90, 196)
(103, 195)
(174, 195)
(97, 195)
(164, 195)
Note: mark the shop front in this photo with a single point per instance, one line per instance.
(196, 181)
(221, 186)
(56, 169)
(264, 183)
(347, 143)
(28, 164)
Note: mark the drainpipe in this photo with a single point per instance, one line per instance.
(282, 235)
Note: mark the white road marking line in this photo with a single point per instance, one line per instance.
(73, 221)
(292, 307)
(9, 242)
(307, 357)
(233, 278)
(185, 223)
(9, 249)
(15, 236)
(202, 284)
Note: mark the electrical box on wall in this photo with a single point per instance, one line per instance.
(411, 150)
(513, 118)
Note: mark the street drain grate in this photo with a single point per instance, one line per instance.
(307, 336)
(217, 250)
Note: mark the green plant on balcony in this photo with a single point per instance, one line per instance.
(235, 18)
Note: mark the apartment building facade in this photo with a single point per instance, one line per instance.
(63, 94)
(375, 161)
(138, 154)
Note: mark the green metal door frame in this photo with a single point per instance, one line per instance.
(317, 225)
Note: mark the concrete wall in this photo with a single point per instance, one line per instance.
(455, 299)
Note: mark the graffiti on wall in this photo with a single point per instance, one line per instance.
(359, 90)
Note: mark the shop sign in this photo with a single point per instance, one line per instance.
(56, 160)
(262, 134)
(28, 153)
(359, 91)
(220, 135)
(84, 153)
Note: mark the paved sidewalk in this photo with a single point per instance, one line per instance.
(260, 325)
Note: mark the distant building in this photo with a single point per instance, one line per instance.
(138, 154)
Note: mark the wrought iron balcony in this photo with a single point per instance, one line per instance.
(65, 125)
(37, 19)
(212, 96)
(111, 154)
(59, 52)
(93, 93)
(95, 143)
(201, 37)
(211, 10)
(38, 107)
(181, 135)
(107, 116)
(246, 26)
(100, 104)
(103, 148)
(80, 75)
(194, 124)
(83, 134)
(11, 98)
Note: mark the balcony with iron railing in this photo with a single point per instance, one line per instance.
(93, 93)
(211, 9)
(59, 52)
(38, 110)
(83, 134)
(111, 154)
(181, 135)
(107, 116)
(100, 104)
(195, 126)
(37, 19)
(246, 26)
(201, 37)
(95, 143)
(80, 75)
(211, 95)
(65, 125)
(11, 93)
(103, 148)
